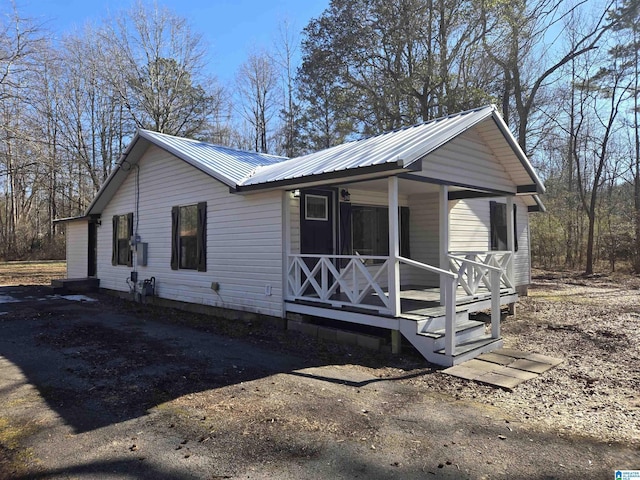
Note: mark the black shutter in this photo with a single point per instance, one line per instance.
(130, 227)
(114, 243)
(345, 232)
(494, 212)
(405, 250)
(175, 238)
(515, 227)
(202, 237)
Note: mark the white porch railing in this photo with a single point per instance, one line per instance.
(473, 269)
(347, 280)
(319, 278)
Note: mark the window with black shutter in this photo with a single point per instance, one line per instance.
(189, 237)
(498, 230)
(122, 233)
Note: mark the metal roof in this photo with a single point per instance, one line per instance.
(228, 165)
(241, 170)
(401, 147)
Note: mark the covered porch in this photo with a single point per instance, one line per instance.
(420, 287)
(409, 230)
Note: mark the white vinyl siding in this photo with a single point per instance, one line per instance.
(451, 163)
(244, 238)
(77, 238)
(469, 231)
(425, 239)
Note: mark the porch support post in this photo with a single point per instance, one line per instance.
(394, 249)
(444, 237)
(286, 246)
(510, 237)
(396, 342)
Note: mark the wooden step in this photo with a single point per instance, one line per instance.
(471, 349)
(465, 331)
(459, 328)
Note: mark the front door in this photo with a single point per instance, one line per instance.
(317, 222)
(93, 249)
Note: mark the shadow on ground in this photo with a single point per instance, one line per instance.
(97, 365)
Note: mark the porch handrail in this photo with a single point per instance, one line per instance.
(477, 271)
(473, 262)
(430, 268)
(318, 255)
(450, 285)
(495, 274)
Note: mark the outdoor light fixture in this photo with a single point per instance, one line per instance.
(346, 196)
(295, 193)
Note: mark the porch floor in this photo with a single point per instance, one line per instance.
(416, 302)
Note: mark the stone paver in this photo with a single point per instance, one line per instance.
(499, 380)
(504, 367)
(536, 357)
(510, 352)
(530, 366)
(496, 358)
(514, 372)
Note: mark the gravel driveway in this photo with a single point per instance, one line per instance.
(109, 389)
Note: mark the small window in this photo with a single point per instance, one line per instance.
(122, 233)
(189, 237)
(316, 207)
(498, 220)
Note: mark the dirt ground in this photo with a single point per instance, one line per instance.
(111, 389)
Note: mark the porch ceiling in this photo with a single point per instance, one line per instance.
(405, 186)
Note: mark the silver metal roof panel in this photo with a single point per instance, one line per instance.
(228, 165)
(403, 146)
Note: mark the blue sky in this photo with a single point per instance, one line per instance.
(231, 28)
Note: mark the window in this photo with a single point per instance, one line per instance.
(122, 232)
(370, 230)
(365, 230)
(498, 218)
(189, 237)
(316, 207)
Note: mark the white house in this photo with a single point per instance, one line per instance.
(410, 230)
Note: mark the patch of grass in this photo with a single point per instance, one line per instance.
(13, 458)
(31, 273)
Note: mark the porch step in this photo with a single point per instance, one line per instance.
(471, 349)
(75, 285)
(464, 331)
(460, 327)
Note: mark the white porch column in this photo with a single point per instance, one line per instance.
(394, 248)
(511, 244)
(286, 245)
(444, 236)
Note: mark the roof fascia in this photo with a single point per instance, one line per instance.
(117, 170)
(341, 176)
(148, 135)
(504, 128)
(455, 132)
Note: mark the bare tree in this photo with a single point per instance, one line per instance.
(515, 37)
(286, 47)
(259, 96)
(600, 97)
(158, 69)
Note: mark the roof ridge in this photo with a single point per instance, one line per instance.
(216, 145)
